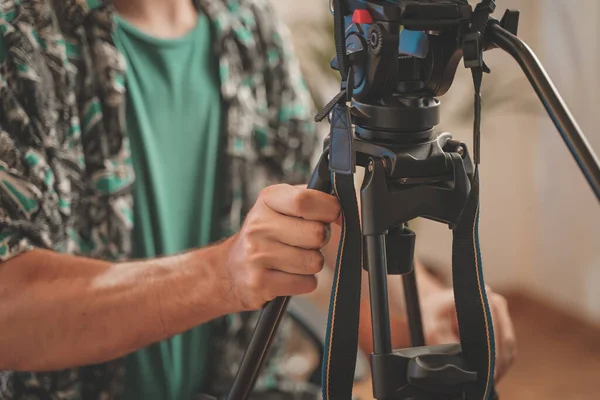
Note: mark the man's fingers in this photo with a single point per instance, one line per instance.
(440, 333)
(506, 344)
(441, 326)
(290, 231)
(293, 260)
(290, 284)
(299, 232)
(302, 203)
(504, 333)
(439, 320)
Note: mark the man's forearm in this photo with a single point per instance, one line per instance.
(59, 311)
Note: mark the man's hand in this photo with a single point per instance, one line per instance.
(441, 326)
(59, 311)
(277, 251)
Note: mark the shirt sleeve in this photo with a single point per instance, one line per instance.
(27, 217)
(29, 203)
(291, 106)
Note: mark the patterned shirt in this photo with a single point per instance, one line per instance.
(65, 166)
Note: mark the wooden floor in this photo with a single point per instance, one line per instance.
(559, 357)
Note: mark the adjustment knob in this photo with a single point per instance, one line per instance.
(510, 21)
(376, 38)
(362, 17)
(355, 47)
(334, 64)
(440, 373)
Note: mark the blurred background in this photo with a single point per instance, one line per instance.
(540, 223)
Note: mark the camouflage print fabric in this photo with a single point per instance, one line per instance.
(65, 166)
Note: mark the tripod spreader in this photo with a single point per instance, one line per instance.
(428, 179)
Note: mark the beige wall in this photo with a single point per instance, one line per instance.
(567, 241)
(540, 224)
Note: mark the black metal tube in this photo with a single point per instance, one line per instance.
(256, 353)
(552, 101)
(380, 313)
(413, 309)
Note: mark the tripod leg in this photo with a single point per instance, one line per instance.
(400, 250)
(258, 348)
(413, 309)
(380, 313)
(271, 314)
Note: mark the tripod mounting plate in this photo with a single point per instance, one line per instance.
(421, 373)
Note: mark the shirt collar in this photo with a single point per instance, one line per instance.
(71, 14)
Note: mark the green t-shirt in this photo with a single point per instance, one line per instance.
(174, 125)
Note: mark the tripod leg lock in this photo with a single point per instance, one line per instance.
(400, 251)
(421, 372)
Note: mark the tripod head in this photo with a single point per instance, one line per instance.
(402, 55)
(405, 47)
(395, 58)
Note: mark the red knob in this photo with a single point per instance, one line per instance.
(362, 17)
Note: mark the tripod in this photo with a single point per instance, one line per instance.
(390, 98)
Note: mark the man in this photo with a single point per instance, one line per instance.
(141, 220)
